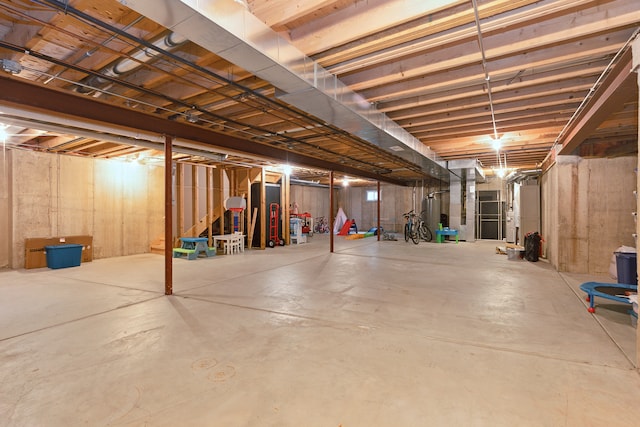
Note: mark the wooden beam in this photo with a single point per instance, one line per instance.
(513, 41)
(179, 202)
(361, 19)
(453, 23)
(250, 218)
(441, 82)
(279, 14)
(219, 199)
(617, 88)
(263, 209)
(195, 200)
(608, 148)
(61, 105)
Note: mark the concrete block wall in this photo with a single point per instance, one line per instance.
(121, 204)
(587, 207)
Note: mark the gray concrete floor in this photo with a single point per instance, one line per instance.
(375, 334)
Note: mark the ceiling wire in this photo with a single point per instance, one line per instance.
(487, 77)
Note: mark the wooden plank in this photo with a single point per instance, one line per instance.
(263, 209)
(252, 228)
(219, 199)
(209, 206)
(618, 88)
(195, 201)
(179, 201)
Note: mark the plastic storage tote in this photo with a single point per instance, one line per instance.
(627, 268)
(62, 256)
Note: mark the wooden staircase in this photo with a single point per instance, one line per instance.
(158, 245)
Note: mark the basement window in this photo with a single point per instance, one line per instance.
(372, 196)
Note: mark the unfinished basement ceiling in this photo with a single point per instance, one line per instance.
(526, 77)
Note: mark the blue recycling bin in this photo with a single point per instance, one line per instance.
(63, 256)
(626, 264)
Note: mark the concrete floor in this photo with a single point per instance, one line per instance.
(376, 334)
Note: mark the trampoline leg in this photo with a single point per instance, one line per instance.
(591, 308)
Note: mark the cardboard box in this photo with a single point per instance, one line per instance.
(35, 256)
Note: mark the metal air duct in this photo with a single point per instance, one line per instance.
(229, 30)
(168, 42)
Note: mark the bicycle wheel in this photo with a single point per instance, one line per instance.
(415, 238)
(425, 232)
(406, 232)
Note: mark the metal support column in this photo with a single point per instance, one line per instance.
(331, 217)
(168, 217)
(378, 211)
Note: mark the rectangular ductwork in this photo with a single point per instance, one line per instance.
(228, 29)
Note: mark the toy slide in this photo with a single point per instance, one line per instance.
(345, 228)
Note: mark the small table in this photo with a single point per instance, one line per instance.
(445, 232)
(192, 247)
(233, 243)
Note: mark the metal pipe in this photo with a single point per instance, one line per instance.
(487, 78)
(94, 50)
(164, 44)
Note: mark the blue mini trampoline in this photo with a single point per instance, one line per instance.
(612, 291)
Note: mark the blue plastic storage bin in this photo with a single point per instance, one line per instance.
(627, 268)
(62, 256)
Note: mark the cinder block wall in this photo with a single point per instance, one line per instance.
(121, 204)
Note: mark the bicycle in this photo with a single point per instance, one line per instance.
(411, 227)
(423, 229)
